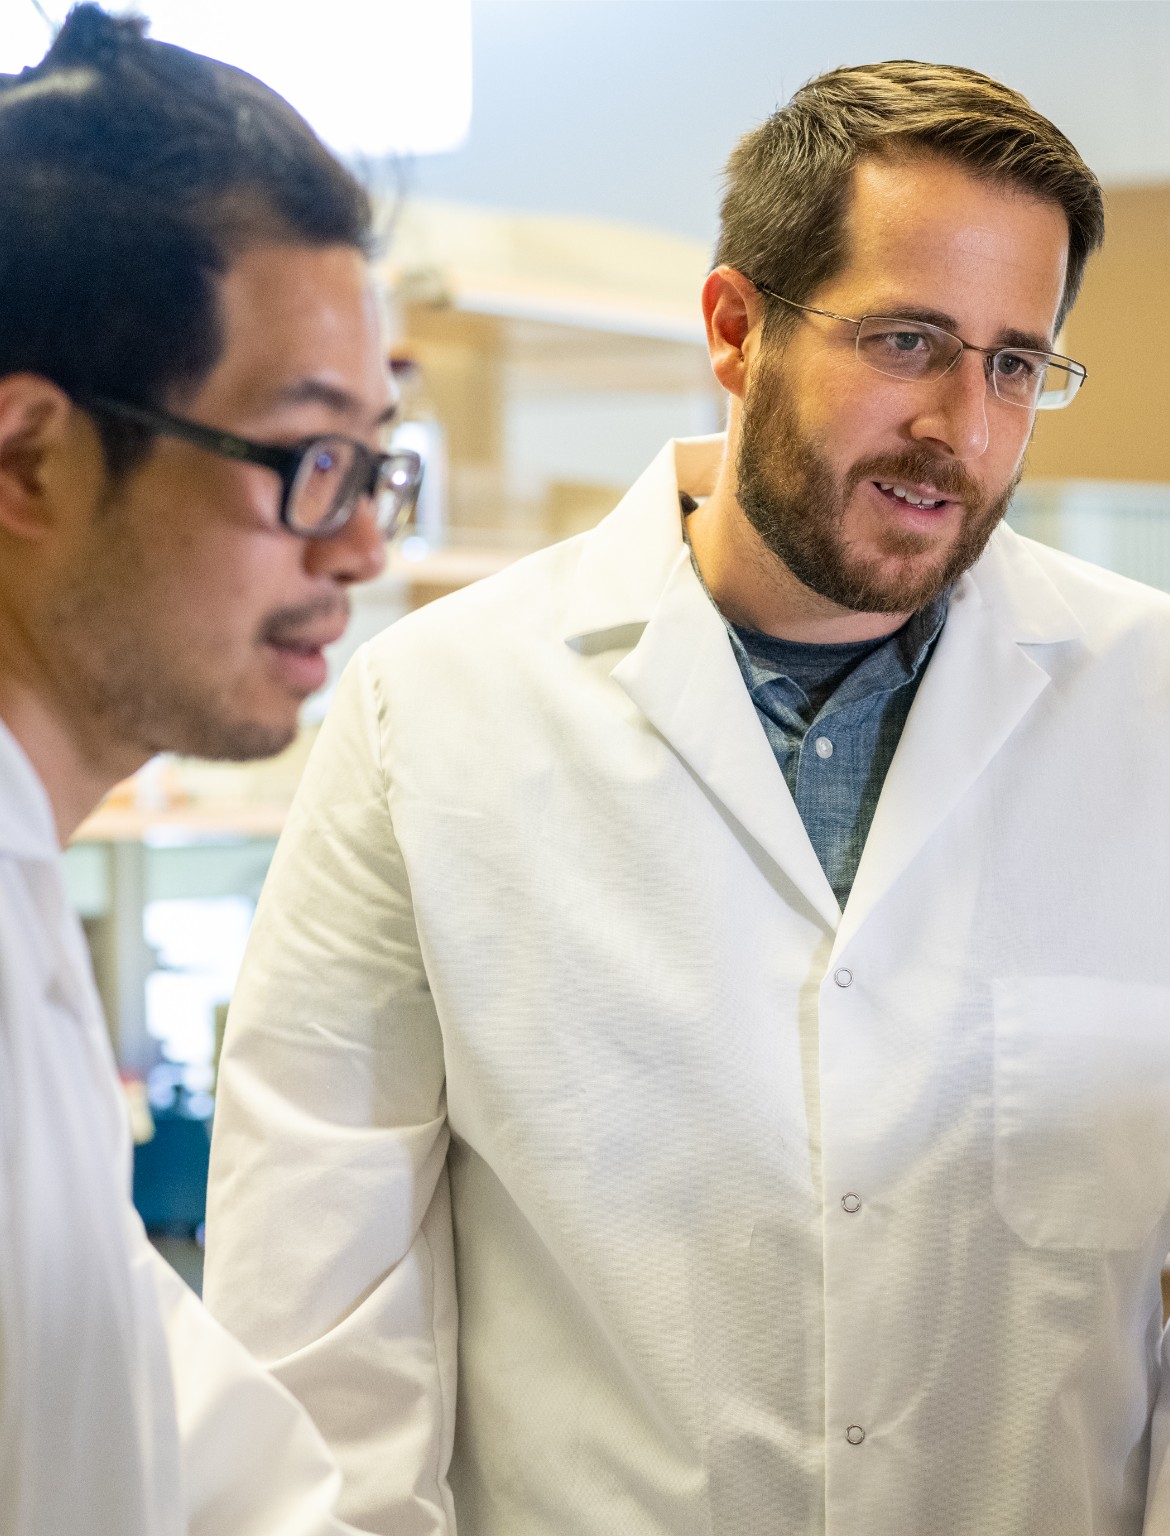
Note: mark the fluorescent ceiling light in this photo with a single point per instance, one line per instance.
(24, 35)
(373, 77)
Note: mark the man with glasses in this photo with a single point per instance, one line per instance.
(193, 395)
(703, 1063)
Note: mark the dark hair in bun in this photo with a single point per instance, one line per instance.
(131, 172)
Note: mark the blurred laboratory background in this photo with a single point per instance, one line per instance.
(548, 177)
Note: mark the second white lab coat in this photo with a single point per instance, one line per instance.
(125, 1410)
(587, 1170)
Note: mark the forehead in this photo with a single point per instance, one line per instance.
(292, 313)
(922, 231)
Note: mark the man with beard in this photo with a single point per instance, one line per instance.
(703, 1062)
(192, 379)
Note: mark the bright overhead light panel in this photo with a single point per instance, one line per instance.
(373, 77)
(24, 35)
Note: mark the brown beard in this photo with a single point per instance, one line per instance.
(797, 505)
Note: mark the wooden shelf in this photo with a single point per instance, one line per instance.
(198, 822)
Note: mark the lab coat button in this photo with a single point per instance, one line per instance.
(824, 747)
(850, 1204)
(855, 1434)
(843, 977)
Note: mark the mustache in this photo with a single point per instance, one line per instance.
(921, 468)
(286, 626)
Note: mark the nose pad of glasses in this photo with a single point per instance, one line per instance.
(955, 360)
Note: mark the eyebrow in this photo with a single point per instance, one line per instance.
(1033, 341)
(340, 401)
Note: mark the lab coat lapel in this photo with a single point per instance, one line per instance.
(635, 591)
(683, 676)
(981, 682)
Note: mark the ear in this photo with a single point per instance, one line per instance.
(35, 418)
(733, 311)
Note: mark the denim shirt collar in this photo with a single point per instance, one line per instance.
(891, 664)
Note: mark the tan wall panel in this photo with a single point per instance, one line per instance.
(1119, 427)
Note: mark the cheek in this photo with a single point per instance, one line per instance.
(256, 576)
(1001, 462)
(216, 589)
(1013, 444)
(209, 564)
(856, 421)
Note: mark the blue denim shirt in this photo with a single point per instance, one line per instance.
(833, 715)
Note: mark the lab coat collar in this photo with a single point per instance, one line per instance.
(27, 828)
(635, 590)
(1021, 594)
(626, 560)
(984, 677)
(979, 685)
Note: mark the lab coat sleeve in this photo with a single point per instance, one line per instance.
(1158, 1488)
(330, 1249)
(252, 1462)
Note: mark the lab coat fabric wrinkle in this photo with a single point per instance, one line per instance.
(125, 1410)
(587, 1169)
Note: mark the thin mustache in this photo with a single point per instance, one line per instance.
(944, 475)
(287, 625)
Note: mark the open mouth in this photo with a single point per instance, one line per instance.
(296, 639)
(301, 664)
(304, 647)
(922, 498)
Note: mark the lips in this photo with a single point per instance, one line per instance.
(308, 626)
(296, 641)
(301, 667)
(309, 642)
(925, 497)
(920, 485)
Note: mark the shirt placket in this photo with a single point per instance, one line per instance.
(827, 795)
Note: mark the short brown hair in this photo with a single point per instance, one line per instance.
(783, 213)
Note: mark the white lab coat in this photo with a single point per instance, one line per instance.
(125, 1410)
(757, 1216)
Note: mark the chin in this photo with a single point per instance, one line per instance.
(268, 744)
(893, 587)
(237, 740)
(255, 740)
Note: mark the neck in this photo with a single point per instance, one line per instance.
(76, 766)
(755, 589)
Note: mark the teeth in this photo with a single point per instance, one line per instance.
(905, 495)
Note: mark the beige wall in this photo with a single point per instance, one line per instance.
(1119, 426)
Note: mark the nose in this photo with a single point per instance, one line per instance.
(355, 553)
(954, 413)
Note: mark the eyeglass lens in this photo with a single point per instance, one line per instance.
(908, 349)
(332, 477)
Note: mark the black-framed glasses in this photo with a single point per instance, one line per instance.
(913, 350)
(322, 479)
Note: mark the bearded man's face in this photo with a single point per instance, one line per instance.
(799, 504)
(878, 492)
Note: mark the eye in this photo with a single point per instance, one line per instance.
(903, 342)
(1011, 365)
(324, 461)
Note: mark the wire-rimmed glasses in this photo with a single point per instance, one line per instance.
(912, 350)
(322, 479)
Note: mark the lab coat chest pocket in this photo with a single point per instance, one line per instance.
(1082, 1109)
